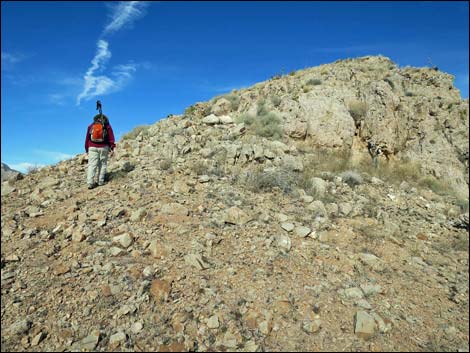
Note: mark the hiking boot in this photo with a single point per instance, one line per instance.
(101, 184)
(91, 186)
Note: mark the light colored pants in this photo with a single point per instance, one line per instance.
(97, 163)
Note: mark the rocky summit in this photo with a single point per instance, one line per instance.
(261, 220)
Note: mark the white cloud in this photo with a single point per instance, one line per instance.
(95, 85)
(100, 85)
(24, 167)
(54, 156)
(123, 14)
(10, 59)
(57, 98)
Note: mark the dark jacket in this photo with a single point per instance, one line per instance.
(110, 139)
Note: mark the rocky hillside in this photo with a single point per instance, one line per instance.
(256, 221)
(8, 173)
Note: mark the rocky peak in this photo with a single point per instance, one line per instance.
(257, 221)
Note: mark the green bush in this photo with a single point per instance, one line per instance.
(199, 167)
(260, 180)
(462, 204)
(190, 110)
(438, 187)
(276, 101)
(409, 94)
(136, 131)
(265, 125)
(234, 100)
(165, 164)
(314, 82)
(261, 109)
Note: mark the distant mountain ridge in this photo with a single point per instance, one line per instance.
(8, 173)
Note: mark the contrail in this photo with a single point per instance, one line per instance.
(123, 14)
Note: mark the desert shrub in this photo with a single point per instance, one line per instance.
(234, 100)
(306, 89)
(260, 180)
(265, 125)
(32, 169)
(165, 164)
(199, 167)
(351, 178)
(405, 170)
(409, 94)
(261, 108)
(462, 204)
(190, 110)
(268, 126)
(358, 110)
(314, 82)
(275, 100)
(437, 186)
(247, 119)
(328, 160)
(136, 131)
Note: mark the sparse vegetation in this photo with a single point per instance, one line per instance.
(260, 180)
(338, 163)
(190, 110)
(437, 186)
(261, 109)
(136, 131)
(234, 100)
(409, 94)
(351, 178)
(165, 164)
(265, 124)
(32, 169)
(276, 101)
(462, 204)
(199, 167)
(358, 110)
(314, 82)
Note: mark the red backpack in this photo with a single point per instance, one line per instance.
(98, 131)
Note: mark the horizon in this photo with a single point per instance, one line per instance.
(146, 60)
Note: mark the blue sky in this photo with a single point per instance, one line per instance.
(145, 60)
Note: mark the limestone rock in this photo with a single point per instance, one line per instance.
(160, 289)
(364, 325)
(211, 120)
(235, 215)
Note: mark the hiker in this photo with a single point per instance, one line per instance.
(374, 151)
(422, 136)
(99, 141)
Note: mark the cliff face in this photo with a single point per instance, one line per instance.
(256, 221)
